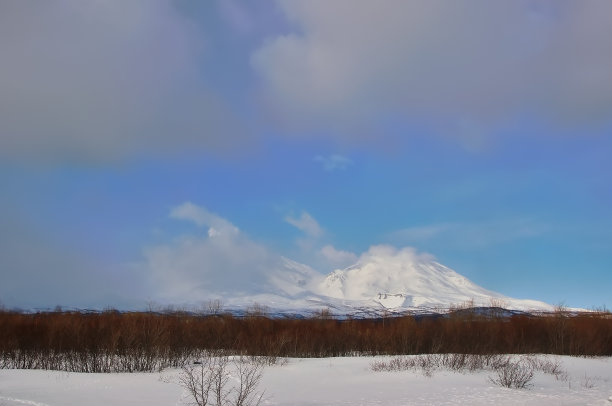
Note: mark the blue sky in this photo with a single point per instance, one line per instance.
(478, 132)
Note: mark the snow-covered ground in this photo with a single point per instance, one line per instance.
(325, 381)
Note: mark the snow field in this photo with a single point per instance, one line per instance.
(322, 381)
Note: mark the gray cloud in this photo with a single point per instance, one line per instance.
(100, 81)
(464, 67)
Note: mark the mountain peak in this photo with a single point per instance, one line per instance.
(383, 279)
(406, 279)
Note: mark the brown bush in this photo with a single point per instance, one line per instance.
(145, 341)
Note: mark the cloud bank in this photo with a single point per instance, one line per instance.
(104, 81)
(467, 66)
(99, 81)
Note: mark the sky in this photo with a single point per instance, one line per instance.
(149, 146)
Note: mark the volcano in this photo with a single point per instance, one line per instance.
(384, 279)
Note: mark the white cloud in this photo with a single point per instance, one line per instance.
(333, 162)
(464, 65)
(190, 267)
(202, 217)
(83, 81)
(338, 257)
(305, 223)
(383, 252)
(193, 266)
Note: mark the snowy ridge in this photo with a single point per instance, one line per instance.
(383, 280)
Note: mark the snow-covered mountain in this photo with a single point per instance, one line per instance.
(384, 279)
(405, 279)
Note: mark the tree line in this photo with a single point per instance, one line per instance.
(113, 341)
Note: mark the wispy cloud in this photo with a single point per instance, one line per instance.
(471, 235)
(333, 162)
(338, 257)
(305, 223)
(202, 217)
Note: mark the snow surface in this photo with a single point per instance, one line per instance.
(384, 279)
(323, 381)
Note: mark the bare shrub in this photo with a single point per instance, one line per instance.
(378, 366)
(513, 375)
(509, 374)
(472, 362)
(212, 307)
(398, 364)
(587, 382)
(548, 366)
(257, 310)
(324, 314)
(498, 303)
(205, 380)
(246, 391)
(428, 363)
(210, 382)
(267, 360)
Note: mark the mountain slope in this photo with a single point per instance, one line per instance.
(384, 279)
(403, 279)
